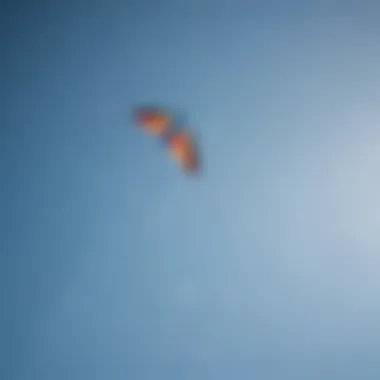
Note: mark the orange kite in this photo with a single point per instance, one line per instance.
(179, 142)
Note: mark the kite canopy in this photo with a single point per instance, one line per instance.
(153, 119)
(179, 142)
(182, 148)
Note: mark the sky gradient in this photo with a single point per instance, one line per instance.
(116, 266)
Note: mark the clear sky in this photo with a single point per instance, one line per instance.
(116, 266)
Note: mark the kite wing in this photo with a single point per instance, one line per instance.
(156, 121)
(183, 149)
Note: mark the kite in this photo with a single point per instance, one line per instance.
(179, 142)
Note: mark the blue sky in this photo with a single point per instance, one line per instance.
(116, 266)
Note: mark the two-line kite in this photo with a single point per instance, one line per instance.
(179, 142)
